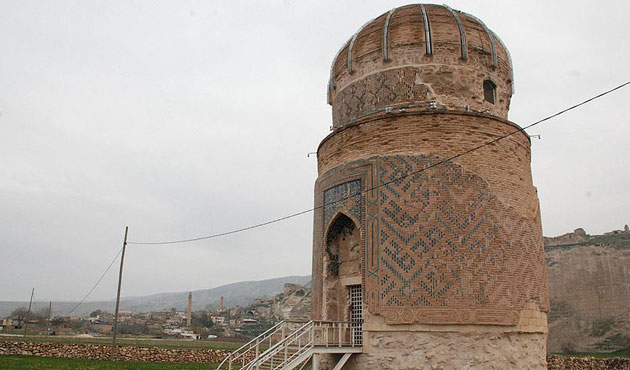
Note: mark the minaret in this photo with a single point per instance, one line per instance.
(189, 311)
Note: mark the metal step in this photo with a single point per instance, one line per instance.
(342, 361)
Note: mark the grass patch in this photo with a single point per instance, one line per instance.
(138, 342)
(560, 310)
(45, 363)
(622, 353)
(615, 341)
(601, 327)
(620, 241)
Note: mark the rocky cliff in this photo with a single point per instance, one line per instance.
(589, 286)
(293, 304)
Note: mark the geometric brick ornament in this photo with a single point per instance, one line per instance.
(448, 251)
(380, 91)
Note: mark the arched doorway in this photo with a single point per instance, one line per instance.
(343, 292)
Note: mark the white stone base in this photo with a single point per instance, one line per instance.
(447, 350)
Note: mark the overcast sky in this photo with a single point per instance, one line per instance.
(187, 118)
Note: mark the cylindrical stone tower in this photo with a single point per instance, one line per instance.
(444, 266)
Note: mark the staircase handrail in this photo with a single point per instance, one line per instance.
(251, 344)
(309, 345)
(273, 350)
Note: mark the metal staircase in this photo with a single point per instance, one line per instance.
(288, 345)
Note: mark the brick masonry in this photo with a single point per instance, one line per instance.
(505, 165)
(439, 246)
(456, 248)
(454, 82)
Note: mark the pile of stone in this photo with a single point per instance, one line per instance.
(102, 352)
(590, 363)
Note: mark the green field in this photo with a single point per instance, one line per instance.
(45, 363)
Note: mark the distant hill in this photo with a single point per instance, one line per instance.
(241, 293)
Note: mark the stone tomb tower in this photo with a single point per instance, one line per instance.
(443, 266)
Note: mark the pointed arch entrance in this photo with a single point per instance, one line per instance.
(343, 291)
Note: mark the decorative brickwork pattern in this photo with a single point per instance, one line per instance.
(377, 92)
(358, 172)
(440, 247)
(344, 196)
(450, 248)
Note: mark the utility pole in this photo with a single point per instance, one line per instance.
(48, 322)
(122, 260)
(28, 315)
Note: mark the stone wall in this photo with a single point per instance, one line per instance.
(587, 363)
(102, 352)
(471, 342)
(153, 354)
(435, 350)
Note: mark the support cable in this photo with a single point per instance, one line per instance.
(255, 226)
(97, 282)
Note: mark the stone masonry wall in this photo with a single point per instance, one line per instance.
(433, 350)
(587, 363)
(102, 352)
(141, 354)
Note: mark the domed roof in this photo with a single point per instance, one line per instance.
(421, 35)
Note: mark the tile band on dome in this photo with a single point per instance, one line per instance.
(331, 81)
(427, 30)
(386, 35)
(351, 47)
(394, 88)
(462, 34)
(492, 42)
(507, 51)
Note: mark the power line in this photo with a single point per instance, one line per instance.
(255, 226)
(97, 282)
